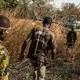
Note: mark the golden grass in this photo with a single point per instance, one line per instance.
(22, 27)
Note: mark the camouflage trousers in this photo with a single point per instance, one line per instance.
(39, 70)
(3, 67)
(4, 77)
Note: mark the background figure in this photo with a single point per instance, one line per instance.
(43, 40)
(71, 37)
(4, 58)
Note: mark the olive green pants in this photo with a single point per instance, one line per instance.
(3, 66)
(39, 70)
(4, 77)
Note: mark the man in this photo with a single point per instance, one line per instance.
(43, 40)
(4, 58)
(71, 37)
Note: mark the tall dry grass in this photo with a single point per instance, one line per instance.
(22, 27)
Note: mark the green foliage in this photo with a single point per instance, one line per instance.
(2, 4)
(8, 4)
(68, 11)
(39, 3)
(34, 9)
(23, 9)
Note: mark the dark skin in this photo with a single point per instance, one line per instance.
(24, 46)
(71, 37)
(46, 27)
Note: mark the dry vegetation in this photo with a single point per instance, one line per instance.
(66, 64)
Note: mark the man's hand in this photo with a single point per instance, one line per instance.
(52, 57)
(21, 57)
(54, 51)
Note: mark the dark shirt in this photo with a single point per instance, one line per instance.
(71, 37)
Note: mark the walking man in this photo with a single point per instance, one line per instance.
(71, 37)
(42, 40)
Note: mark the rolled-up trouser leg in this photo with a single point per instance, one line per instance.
(41, 72)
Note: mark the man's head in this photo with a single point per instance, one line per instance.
(47, 22)
(4, 26)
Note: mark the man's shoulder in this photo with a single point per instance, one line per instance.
(51, 33)
(37, 29)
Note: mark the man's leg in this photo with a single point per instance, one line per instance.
(33, 72)
(41, 72)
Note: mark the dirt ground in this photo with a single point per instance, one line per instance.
(61, 68)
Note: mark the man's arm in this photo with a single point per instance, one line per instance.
(53, 45)
(75, 36)
(25, 44)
